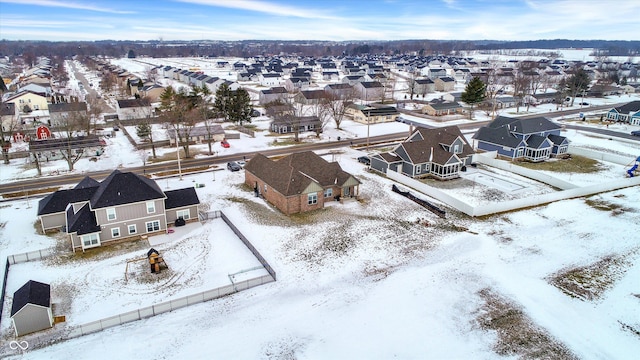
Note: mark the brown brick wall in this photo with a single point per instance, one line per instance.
(288, 205)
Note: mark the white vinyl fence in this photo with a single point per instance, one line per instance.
(571, 191)
(167, 306)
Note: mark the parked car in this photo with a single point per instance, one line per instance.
(635, 133)
(365, 160)
(233, 166)
(225, 144)
(241, 163)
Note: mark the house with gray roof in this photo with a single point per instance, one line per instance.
(535, 139)
(440, 153)
(122, 206)
(627, 113)
(299, 182)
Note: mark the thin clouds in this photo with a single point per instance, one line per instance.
(277, 20)
(66, 4)
(265, 7)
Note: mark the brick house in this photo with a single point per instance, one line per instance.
(299, 182)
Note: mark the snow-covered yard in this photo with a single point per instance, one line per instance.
(382, 277)
(376, 278)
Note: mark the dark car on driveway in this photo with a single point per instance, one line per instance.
(635, 133)
(233, 166)
(365, 160)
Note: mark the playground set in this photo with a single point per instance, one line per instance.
(633, 169)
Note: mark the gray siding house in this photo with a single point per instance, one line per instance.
(31, 308)
(124, 205)
(440, 153)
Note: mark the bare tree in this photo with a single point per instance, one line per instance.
(7, 127)
(95, 108)
(151, 74)
(495, 86)
(70, 126)
(179, 112)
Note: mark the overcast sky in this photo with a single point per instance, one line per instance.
(319, 19)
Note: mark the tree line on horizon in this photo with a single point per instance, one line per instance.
(246, 48)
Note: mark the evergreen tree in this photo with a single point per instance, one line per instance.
(143, 130)
(222, 101)
(240, 107)
(474, 93)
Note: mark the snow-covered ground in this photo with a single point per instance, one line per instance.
(376, 278)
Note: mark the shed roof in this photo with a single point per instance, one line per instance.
(33, 292)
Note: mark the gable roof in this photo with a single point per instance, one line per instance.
(181, 197)
(125, 188)
(57, 202)
(628, 107)
(500, 136)
(524, 126)
(443, 135)
(83, 221)
(32, 292)
(294, 173)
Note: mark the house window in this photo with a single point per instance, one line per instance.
(132, 229)
(153, 226)
(328, 192)
(115, 232)
(111, 214)
(265, 187)
(90, 240)
(418, 169)
(151, 207)
(312, 199)
(456, 149)
(185, 214)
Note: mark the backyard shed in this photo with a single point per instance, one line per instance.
(31, 308)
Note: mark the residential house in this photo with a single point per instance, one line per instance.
(353, 79)
(287, 124)
(372, 114)
(440, 108)
(339, 91)
(424, 86)
(270, 79)
(60, 113)
(297, 83)
(272, 95)
(31, 308)
(310, 97)
(43, 89)
(440, 153)
(435, 73)
(9, 117)
(369, 90)
(444, 83)
(130, 109)
(525, 139)
(198, 134)
(28, 101)
(51, 148)
(122, 206)
(627, 113)
(299, 182)
(151, 92)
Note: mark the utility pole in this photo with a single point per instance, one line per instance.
(178, 154)
(368, 125)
